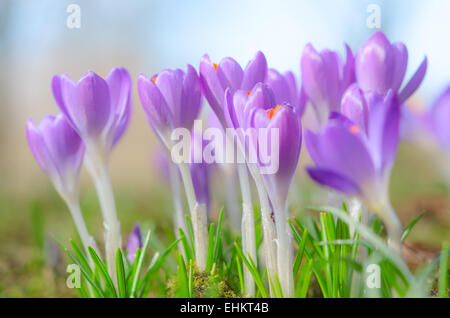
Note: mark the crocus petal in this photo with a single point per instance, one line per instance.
(354, 106)
(93, 104)
(190, 99)
(230, 74)
(400, 57)
(414, 82)
(333, 180)
(375, 64)
(170, 85)
(383, 130)
(211, 87)
(255, 71)
(155, 107)
(38, 148)
(343, 150)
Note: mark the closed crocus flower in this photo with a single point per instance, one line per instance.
(216, 78)
(284, 119)
(285, 90)
(134, 243)
(59, 152)
(97, 108)
(171, 99)
(357, 160)
(381, 66)
(325, 77)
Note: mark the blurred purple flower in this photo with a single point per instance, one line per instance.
(354, 151)
(98, 109)
(171, 99)
(216, 78)
(134, 242)
(59, 152)
(325, 77)
(380, 66)
(437, 120)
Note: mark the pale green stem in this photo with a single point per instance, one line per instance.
(198, 218)
(98, 170)
(179, 219)
(285, 252)
(248, 228)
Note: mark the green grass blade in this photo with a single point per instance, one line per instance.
(410, 226)
(183, 285)
(139, 265)
(121, 280)
(103, 272)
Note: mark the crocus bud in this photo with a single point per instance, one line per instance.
(381, 66)
(98, 109)
(171, 99)
(325, 77)
(59, 152)
(216, 78)
(284, 119)
(134, 242)
(352, 160)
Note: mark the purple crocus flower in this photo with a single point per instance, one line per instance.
(216, 78)
(171, 99)
(98, 109)
(257, 111)
(381, 66)
(325, 77)
(355, 155)
(134, 242)
(286, 121)
(59, 152)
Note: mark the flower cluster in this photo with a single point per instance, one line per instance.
(351, 135)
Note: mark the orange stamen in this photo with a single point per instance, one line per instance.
(248, 92)
(215, 66)
(154, 80)
(272, 111)
(354, 129)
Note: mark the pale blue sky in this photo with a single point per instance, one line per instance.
(174, 32)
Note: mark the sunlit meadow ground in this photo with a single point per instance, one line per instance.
(32, 265)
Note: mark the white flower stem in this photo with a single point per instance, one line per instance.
(98, 170)
(269, 232)
(198, 218)
(86, 239)
(285, 252)
(248, 228)
(232, 198)
(179, 219)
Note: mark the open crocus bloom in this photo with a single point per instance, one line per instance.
(325, 77)
(355, 156)
(98, 109)
(171, 99)
(59, 152)
(381, 66)
(216, 78)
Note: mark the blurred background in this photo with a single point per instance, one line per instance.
(147, 36)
